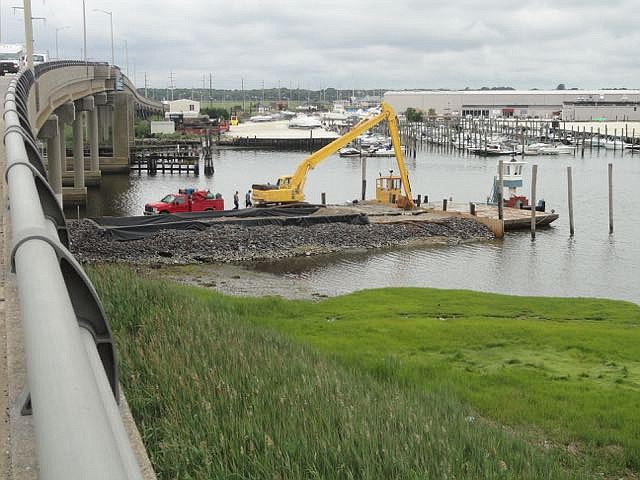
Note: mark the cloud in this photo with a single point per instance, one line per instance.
(351, 44)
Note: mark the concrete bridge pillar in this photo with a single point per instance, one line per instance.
(89, 105)
(102, 117)
(78, 151)
(51, 133)
(66, 114)
(123, 117)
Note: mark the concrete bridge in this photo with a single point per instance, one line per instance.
(98, 95)
(64, 416)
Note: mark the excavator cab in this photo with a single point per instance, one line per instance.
(389, 190)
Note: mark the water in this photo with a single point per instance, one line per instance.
(592, 263)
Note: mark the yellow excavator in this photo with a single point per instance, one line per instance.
(289, 189)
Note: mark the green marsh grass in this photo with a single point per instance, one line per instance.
(394, 383)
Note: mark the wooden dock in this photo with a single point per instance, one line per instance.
(514, 218)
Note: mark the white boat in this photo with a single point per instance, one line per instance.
(614, 144)
(349, 152)
(386, 151)
(494, 149)
(261, 118)
(557, 150)
(304, 121)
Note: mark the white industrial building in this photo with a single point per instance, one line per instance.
(166, 127)
(185, 107)
(521, 103)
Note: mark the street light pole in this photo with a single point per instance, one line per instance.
(84, 30)
(28, 32)
(111, 24)
(126, 56)
(57, 30)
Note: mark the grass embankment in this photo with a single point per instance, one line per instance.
(218, 394)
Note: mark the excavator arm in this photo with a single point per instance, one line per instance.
(295, 183)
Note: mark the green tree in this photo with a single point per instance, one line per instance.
(142, 129)
(413, 115)
(215, 112)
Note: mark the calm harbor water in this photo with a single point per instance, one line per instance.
(592, 263)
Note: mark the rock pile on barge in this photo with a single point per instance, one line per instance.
(231, 243)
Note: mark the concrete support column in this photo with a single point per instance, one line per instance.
(94, 140)
(123, 115)
(50, 131)
(78, 152)
(88, 104)
(103, 113)
(66, 114)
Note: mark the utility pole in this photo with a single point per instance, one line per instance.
(145, 85)
(210, 90)
(126, 56)
(262, 93)
(171, 83)
(202, 91)
(242, 88)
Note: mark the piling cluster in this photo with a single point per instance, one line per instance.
(233, 243)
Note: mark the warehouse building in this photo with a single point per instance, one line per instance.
(575, 104)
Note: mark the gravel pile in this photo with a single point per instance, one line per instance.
(233, 243)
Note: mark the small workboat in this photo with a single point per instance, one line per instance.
(511, 181)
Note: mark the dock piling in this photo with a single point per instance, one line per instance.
(570, 200)
(500, 190)
(364, 177)
(534, 176)
(611, 198)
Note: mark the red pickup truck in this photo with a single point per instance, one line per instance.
(186, 200)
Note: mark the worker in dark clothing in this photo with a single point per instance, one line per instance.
(236, 201)
(247, 200)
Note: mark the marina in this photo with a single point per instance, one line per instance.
(590, 263)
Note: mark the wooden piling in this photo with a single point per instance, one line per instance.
(570, 200)
(444, 204)
(534, 178)
(323, 198)
(500, 190)
(611, 198)
(364, 177)
(472, 208)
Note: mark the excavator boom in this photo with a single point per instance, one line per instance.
(290, 188)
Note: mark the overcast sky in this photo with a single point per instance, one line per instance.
(361, 44)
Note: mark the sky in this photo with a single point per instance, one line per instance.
(348, 44)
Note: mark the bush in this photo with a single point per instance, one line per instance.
(413, 115)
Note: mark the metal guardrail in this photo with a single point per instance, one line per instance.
(71, 361)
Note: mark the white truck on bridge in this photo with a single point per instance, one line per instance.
(13, 56)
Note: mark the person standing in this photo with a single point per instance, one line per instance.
(236, 201)
(247, 200)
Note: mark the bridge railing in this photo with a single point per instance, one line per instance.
(71, 363)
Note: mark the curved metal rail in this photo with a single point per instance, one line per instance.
(71, 363)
